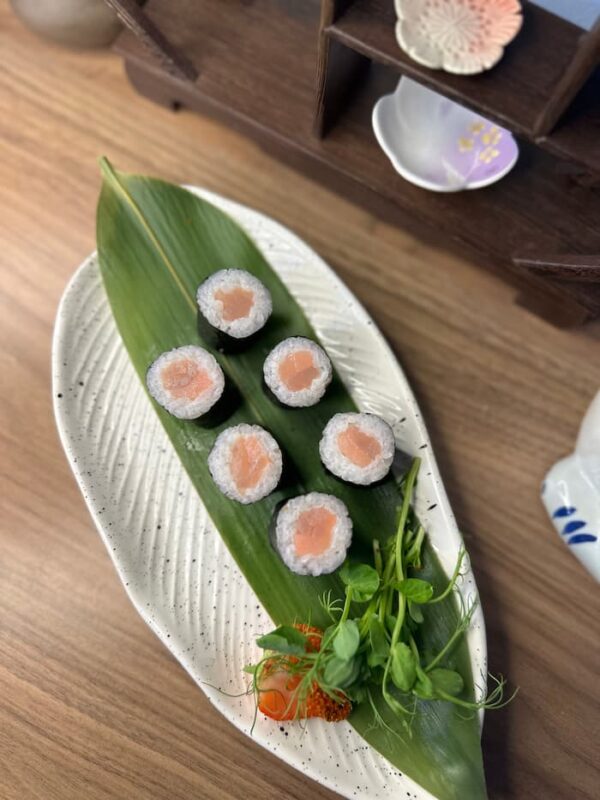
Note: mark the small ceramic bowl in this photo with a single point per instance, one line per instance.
(571, 493)
(438, 144)
(460, 36)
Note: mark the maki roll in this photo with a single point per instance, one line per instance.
(358, 448)
(233, 305)
(245, 463)
(186, 381)
(298, 372)
(313, 533)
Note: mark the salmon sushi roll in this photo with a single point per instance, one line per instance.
(233, 305)
(245, 463)
(298, 372)
(187, 381)
(313, 533)
(358, 448)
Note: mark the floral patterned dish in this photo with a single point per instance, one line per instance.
(460, 36)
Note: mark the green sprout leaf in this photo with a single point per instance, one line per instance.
(379, 648)
(447, 681)
(403, 668)
(423, 687)
(339, 674)
(362, 579)
(390, 623)
(415, 612)
(284, 639)
(346, 641)
(416, 590)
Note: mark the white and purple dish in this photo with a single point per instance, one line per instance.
(438, 144)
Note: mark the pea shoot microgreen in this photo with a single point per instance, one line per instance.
(376, 646)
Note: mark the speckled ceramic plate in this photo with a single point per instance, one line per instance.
(177, 572)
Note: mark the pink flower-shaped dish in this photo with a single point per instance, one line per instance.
(460, 36)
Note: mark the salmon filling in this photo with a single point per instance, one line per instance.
(297, 371)
(237, 302)
(248, 462)
(314, 531)
(184, 378)
(358, 447)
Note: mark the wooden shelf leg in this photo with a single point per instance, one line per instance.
(340, 71)
(558, 311)
(585, 60)
(138, 22)
(155, 89)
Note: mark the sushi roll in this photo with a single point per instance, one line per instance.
(186, 381)
(298, 372)
(313, 533)
(245, 463)
(358, 448)
(233, 305)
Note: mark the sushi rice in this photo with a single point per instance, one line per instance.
(186, 381)
(298, 372)
(245, 463)
(313, 533)
(358, 448)
(234, 302)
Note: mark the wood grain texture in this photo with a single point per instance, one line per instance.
(235, 46)
(136, 20)
(91, 705)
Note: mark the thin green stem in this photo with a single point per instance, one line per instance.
(347, 605)
(363, 625)
(408, 491)
(453, 579)
(461, 628)
(413, 553)
(377, 557)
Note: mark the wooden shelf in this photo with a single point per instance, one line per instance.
(513, 94)
(537, 208)
(534, 204)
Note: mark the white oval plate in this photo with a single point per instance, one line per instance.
(170, 557)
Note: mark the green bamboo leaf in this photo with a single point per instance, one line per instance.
(156, 243)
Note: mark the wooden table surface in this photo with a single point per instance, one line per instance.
(91, 704)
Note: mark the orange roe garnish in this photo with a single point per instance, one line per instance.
(278, 689)
(314, 642)
(319, 704)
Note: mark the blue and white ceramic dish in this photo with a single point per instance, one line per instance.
(571, 493)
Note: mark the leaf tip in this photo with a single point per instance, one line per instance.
(106, 168)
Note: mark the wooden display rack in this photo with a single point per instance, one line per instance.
(302, 77)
